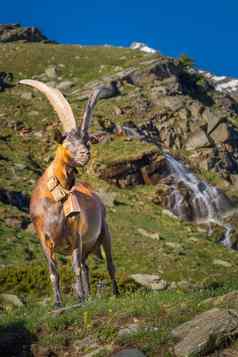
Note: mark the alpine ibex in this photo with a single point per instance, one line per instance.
(70, 218)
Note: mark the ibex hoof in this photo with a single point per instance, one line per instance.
(58, 305)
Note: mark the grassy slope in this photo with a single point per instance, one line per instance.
(23, 270)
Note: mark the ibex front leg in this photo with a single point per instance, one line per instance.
(48, 248)
(81, 271)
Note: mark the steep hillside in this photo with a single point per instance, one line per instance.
(196, 123)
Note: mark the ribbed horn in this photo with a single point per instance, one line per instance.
(58, 101)
(87, 116)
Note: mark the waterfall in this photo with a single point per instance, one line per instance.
(189, 197)
(226, 238)
(208, 204)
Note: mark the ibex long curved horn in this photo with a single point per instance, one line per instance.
(58, 101)
(87, 116)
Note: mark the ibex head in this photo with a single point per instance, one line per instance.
(74, 141)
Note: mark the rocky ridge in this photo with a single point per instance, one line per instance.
(15, 32)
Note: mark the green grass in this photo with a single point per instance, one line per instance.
(182, 253)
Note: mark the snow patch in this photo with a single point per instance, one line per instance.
(230, 86)
(222, 83)
(142, 47)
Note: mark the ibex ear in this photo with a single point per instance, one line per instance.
(58, 136)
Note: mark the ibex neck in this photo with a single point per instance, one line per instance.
(62, 170)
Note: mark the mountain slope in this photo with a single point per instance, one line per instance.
(146, 238)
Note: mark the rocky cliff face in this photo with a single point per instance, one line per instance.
(15, 32)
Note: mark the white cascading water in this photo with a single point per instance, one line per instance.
(208, 203)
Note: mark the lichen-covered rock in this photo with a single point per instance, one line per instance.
(205, 333)
(150, 281)
(220, 134)
(198, 139)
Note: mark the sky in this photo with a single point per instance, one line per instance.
(206, 30)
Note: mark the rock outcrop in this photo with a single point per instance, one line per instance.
(206, 332)
(15, 32)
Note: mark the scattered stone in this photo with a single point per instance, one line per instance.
(153, 282)
(130, 329)
(89, 347)
(222, 263)
(143, 232)
(10, 299)
(206, 332)
(26, 95)
(173, 285)
(20, 166)
(130, 352)
(184, 285)
(117, 110)
(234, 180)
(193, 239)
(173, 245)
(38, 134)
(52, 72)
(65, 85)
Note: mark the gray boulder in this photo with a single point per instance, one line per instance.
(212, 119)
(153, 282)
(65, 85)
(197, 140)
(220, 134)
(205, 333)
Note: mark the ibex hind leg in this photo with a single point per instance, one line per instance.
(107, 246)
(52, 265)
